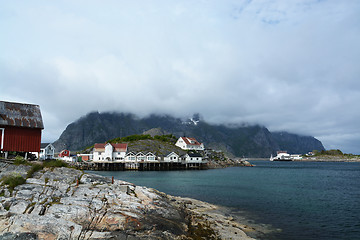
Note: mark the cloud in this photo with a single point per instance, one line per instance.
(289, 65)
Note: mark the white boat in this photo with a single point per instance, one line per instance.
(282, 156)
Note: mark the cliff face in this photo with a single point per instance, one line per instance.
(249, 141)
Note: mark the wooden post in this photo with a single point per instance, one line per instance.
(112, 180)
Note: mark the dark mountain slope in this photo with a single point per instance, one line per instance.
(249, 141)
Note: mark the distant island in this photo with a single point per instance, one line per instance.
(318, 156)
(334, 155)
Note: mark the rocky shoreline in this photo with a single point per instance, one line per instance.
(65, 203)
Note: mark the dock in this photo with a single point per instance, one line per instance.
(140, 166)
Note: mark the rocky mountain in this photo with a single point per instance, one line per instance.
(236, 140)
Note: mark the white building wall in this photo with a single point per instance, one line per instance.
(47, 153)
(189, 159)
(180, 143)
(150, 158)
(108, 155)
(98, 156)
(173, 157)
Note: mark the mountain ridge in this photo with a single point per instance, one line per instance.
(237, 140)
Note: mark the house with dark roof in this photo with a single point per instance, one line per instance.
(192, 157)
(187, 143)
(47, 151)
(20, 127)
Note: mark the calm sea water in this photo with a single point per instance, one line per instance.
(306, 200)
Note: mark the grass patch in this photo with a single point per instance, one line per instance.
(54, 163)
(20, 161)
(12, 181)
(34, 168)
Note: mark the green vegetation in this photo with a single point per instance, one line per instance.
(54, 163)
(333, 153)
(12, 181)
(39, 166)
(34, 168)
(132, 138)
(20, 161)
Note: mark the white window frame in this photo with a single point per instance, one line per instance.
(2, 137)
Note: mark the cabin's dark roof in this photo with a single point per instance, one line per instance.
(44, 145)
(194, 154)
(20, 115)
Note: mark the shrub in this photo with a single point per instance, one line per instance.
(12, 181)
(34, 168)
(20, 161)
(54, 163)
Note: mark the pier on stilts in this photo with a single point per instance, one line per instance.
(139, 166)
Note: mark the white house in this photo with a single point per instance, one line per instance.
(109, 152)
(192, 158)
(130, 157)
(150, 157)
(172, 157)
(47, 151)
(189, 144)
(140, 157)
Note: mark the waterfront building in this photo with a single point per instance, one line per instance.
(187, 143)
(192, 157)
(171, 157)
(109, 152)
(130, 157)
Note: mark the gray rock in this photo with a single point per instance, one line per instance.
(52, 205)
(18, 236)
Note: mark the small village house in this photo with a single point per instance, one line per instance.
(171, 157)
(140, 157)
(82, 157)
(150, 157)
(192, 158)
(20, 127)
(187, 143)
(47, 151)
(130, 157)
(64, 153)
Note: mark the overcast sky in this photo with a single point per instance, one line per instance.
(288, 65)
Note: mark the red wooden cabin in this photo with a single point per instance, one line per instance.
(20, 127)
(64, 153)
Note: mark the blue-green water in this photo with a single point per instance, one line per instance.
(307, 200)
